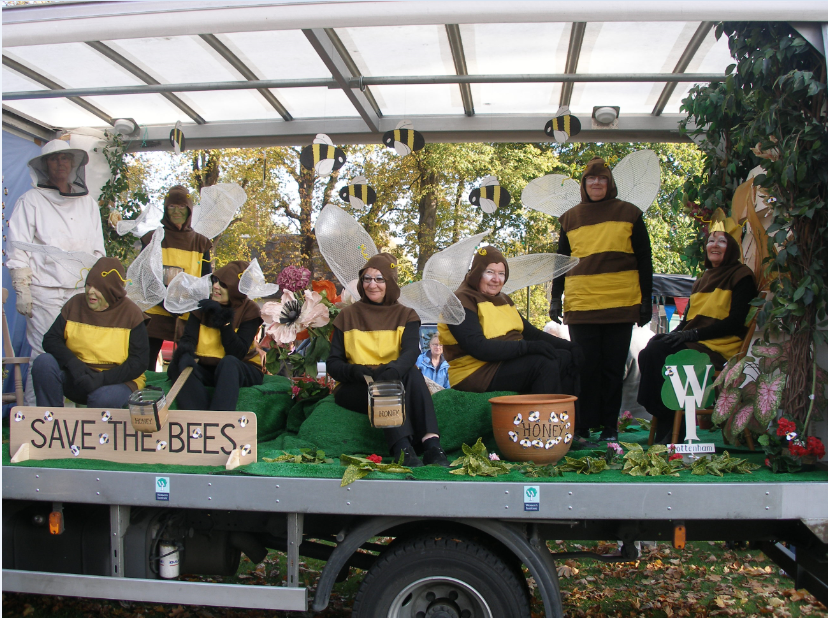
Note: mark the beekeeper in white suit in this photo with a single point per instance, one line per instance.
(57, 211)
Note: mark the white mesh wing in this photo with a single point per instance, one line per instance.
(215, 211)
(552, 194)
(185, 291)
(72, 261)
(450, 265)
(433, 302)
(638, 178)
(252, 283)
(536, 268)
(148, 220)
(145, 276)
(344, 244)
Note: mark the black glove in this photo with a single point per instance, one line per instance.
(385, 373)
(77, 369)
(357, 373)
(555, 310)
(645, 314)
(678, 337)
(544, 348)
(215, 314)
(90, 382)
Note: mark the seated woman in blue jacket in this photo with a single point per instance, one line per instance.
(432, 364)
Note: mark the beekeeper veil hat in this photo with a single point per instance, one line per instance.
(39, 171)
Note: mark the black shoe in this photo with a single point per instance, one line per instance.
(410, 459)
(435, 456)
(608, 435)
(579, 444)
(582, 433)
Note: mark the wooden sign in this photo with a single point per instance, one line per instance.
(190, 437)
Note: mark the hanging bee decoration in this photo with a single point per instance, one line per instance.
(177, 138)
(322, 156)
(358, 193)
(404, 139)
(563, 125)
(490, 195)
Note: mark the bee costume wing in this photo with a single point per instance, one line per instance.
(71, 261)
(344, 244)
(148, 220)
(536, 268)
(450, 265)
(185, 291)
(638, 178)
(252, 282)
(145, 276)
(552, 194)
(218, 204)
(433, 302)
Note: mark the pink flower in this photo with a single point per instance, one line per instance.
(295, 390)
(615, 447)
(282, 318)
(627, 415)
(314, 311)
(375, 458)
(493, 457)
(294, 278)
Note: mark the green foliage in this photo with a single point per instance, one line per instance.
(583, 465)
(535, 471)
(475, 462)
(121, 194)
(360, 467)
(653, 462)
(719, 465)
(306, 456)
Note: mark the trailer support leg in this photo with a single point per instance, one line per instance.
(118, 524)
(295, 522)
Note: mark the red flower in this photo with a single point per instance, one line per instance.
(767, 462)
(295, 390)
(796, 449)
(375, 458)
(785, 427)
(816, 447)
(676, 456)
(326, 286)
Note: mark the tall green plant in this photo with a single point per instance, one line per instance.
(773, 100)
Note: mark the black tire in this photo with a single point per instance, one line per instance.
(441, 576)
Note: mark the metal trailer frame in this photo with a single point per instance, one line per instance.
(766, 511)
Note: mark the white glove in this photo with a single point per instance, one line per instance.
(22, 284)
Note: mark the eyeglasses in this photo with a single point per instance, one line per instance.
(597, 180)
(378, 280)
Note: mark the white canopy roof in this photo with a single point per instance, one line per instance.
(259, 72)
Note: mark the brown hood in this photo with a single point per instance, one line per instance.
(387, 265)
(468, 293)
(109, 278)
(598, 167)
(177, 195)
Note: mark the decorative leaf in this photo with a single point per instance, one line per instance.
(734, 376)
(768, 397)
(741, 418)
(767, 350)
(353, 473)
(725, 405)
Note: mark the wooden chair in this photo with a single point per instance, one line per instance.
(10, 359)
(679, 414)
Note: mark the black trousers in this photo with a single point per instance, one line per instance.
(228, 376)
(605, 351)
(650, 363)
(155, 348)
(537, 374)
(420, 418)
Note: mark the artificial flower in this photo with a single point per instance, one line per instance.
(326, 286)
(374, 458)
(294, 278)
(283, 318)
(785, 427)
(314, 312)
(493, 457)
(675, 456)
(615, 447)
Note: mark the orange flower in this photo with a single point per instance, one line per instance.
(327, 286)
(303, 334)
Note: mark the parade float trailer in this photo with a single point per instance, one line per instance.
(269, 73)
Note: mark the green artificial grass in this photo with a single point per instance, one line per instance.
(286, 425)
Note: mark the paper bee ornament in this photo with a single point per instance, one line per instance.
(322, 156)
(404, 139)
(358, 194)
(563, 125)
(177, 138)
(489, 195)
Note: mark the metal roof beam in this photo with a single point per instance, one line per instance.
(54, 86)
(339, 46)
(573, 54)
(355, 83)
(26, 127)
(144, 77)
(234, 61)
(324, 46)
(681, 66)
(459, 57)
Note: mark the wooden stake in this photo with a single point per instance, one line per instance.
(22, 453)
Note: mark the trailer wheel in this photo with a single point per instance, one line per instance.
(441, 577)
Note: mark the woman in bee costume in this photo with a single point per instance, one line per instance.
(95, 352)
(219, 343)
(714, 321)
(379, 337)
(495, 348)
(182, 247)
(606, 293)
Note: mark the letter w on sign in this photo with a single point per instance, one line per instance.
(686, 375)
